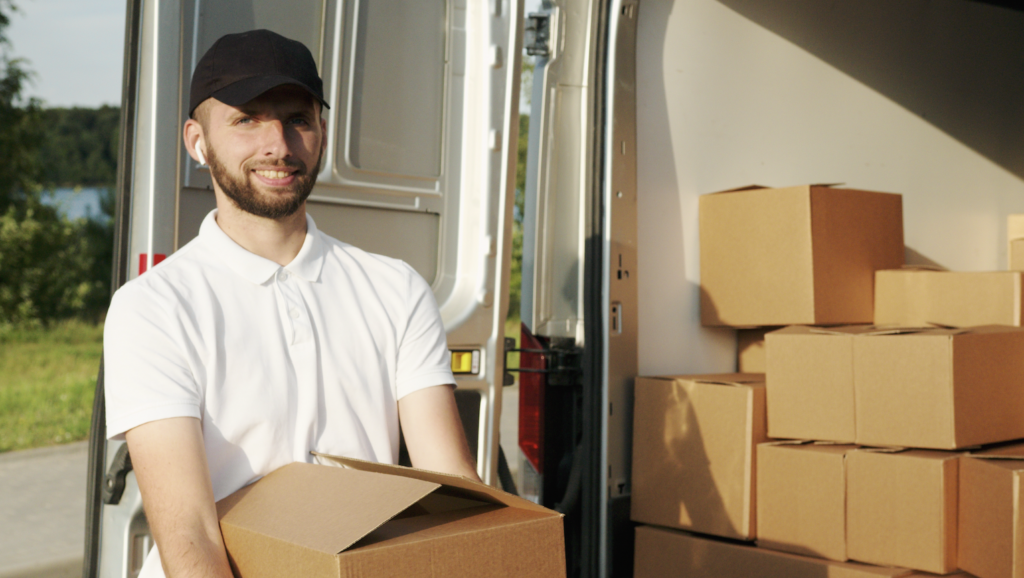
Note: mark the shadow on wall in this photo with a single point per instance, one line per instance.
(675, 468)
(957, 64)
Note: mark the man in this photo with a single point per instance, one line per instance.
(263, 338)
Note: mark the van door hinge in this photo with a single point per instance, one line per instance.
(537, 39)
(564, 362)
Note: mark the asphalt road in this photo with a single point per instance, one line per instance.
(42, 512)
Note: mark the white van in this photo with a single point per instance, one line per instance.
(637, 109)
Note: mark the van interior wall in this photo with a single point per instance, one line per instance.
(919, 97)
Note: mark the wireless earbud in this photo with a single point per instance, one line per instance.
(199, 153)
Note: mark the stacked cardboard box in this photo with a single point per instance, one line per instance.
(866, 462)
(1015, 242)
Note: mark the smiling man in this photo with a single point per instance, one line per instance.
(263, 338)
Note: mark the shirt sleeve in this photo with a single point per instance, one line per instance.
(423, 357)
(147, 375)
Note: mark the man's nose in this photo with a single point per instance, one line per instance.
(274, 139)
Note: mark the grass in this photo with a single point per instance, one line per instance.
(48, 379)
(47, 382)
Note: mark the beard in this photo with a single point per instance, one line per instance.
(241, 190)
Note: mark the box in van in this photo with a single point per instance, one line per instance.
(949, 298)
(901, 508)
(797, 255)
(991, 538)
(801, 498)
(694, 441)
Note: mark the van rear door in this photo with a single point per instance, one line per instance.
(420, 165)
(579, 301)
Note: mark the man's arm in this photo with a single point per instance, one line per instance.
(433, 432)
(169, 460)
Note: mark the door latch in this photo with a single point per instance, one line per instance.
(537, 37)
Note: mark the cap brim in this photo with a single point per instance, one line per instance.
(242, 91)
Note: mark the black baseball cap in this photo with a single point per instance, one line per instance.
(240, 67)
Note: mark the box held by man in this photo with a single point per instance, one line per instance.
(371, 520)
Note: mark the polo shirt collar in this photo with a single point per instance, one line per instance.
(258, 270)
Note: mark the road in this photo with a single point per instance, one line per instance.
(42, 512)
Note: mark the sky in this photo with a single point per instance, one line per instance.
(76, 49)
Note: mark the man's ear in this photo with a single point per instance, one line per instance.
(195, 141)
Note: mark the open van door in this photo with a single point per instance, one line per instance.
(579, 300)
(420, 165)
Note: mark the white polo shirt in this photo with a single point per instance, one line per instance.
(275, 361)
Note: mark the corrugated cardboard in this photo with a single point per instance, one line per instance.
(1016, 255)
(797, 255)
(991, 539)
(1015, 239)
(901, 508)
(809, 382)
(940, 388)
(801, 498)
(750, 349)
(661, 553)
(694, 440)
(317, 521)
(919, 297)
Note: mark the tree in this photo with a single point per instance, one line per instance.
(50, 268)
(19, 122)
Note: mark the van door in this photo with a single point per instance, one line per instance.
(420, 165)
(579, 303)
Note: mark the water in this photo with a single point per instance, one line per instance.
(75, 203)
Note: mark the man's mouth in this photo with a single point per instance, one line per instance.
(272, 174)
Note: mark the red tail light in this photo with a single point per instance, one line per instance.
(532, 383)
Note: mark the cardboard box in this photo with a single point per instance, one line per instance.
(901, 508)
(940, 388)
(801, 498)
(369, 519)
(809, 382)
(1016, 254)
(694, 441)
(916, 297)
(661, 553)
(991, 538)
(798, 255)
(750, 349)
(1015, 242)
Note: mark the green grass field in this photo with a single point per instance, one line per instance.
(47, 378)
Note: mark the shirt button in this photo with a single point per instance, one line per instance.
(294, 313)
(282, 276)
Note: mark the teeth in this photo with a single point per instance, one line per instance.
(272, 174)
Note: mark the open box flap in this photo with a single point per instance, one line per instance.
(324, 509)
(463, 486)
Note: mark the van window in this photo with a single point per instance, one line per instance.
(396, 119)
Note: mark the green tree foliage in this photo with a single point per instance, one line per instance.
(515, 280)
(19, 122)
(79, 146)
(50, 268)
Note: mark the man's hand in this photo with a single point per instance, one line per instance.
(169, 460)
(433, 432)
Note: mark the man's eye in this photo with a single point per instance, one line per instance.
(299, 121)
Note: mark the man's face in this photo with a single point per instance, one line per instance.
(265, 155)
